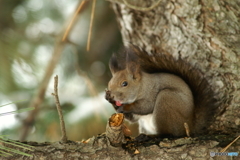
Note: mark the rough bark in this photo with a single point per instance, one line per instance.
(203, 32)
(100, 148)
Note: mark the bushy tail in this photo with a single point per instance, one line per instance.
(204, 97)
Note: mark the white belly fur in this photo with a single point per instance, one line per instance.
(146, 125)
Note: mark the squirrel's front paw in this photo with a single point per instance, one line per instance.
(108, 96)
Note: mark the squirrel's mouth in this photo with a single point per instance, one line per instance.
(118, 103)
(121, 103)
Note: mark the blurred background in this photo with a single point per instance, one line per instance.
(29, 30)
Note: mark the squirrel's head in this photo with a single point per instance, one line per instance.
(125, 83)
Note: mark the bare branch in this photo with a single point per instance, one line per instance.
(62, 124)
(91, 24)
(79, 9)
(224, 149)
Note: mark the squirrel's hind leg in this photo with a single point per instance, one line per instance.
(173, 109)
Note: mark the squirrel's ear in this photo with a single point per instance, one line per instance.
(117, 62)
(132, 66)
(134, 70)
(113, 64)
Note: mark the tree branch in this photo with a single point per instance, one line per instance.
(97, 148)
(38, 98)
(62, 124)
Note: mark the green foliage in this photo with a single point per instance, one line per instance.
(5, 142)
(17, 111)
(7, 151)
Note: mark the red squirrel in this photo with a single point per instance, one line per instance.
(160, 93)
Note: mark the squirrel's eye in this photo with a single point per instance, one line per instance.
(124, 84)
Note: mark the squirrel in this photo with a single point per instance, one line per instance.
(160, 92)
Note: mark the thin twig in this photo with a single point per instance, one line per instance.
(62, 124)
(187, 129)
(91, 24)
(224, 149)
(38, 98)
(80, 7)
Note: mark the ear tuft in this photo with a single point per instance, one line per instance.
(128, 59)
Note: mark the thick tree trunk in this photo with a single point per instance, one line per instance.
(203, 32)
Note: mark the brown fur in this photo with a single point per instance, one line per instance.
(172, 91)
